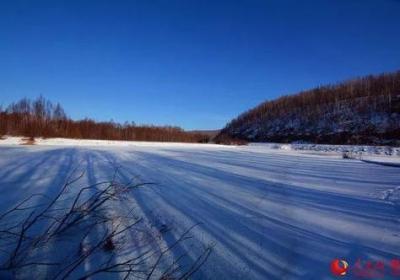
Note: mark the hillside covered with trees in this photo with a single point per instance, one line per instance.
(360, 111)
(42, 118)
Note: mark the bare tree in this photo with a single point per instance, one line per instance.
(342, 113)
(42, 118)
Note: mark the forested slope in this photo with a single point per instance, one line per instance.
(360, 111)
(42, 118)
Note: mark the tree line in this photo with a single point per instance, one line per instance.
(42, 118)
(360, 111)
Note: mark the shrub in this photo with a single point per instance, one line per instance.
(224, 139)
(64, 232)
(29, 141)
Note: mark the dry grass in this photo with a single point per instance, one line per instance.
(28, 141)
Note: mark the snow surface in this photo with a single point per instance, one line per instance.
(272, 213)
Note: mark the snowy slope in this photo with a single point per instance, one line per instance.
(361, 111)
(271, 213)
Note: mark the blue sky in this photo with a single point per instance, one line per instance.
(194, 64)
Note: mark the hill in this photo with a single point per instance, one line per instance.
(359, 111)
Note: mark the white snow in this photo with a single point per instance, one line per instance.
(13, 140)
(10, 140)
(362, 150)
(272, 213)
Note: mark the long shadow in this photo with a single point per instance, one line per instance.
(169, 238)
(314, 198)
(391, 164)
(348, 170)
(92, 163)
(24, 157)
(198, 209)
(194, 212)
(58, 162)
(261, 187)
(153, 227)
(263, 243)
(37, 178)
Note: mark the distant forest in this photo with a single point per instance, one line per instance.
(42, 118)
(360, 111)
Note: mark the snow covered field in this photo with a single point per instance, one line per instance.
(271, 213)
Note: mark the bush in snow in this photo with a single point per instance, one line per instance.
(85, 232)
(349, 155)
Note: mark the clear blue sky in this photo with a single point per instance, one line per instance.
(195, 64)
